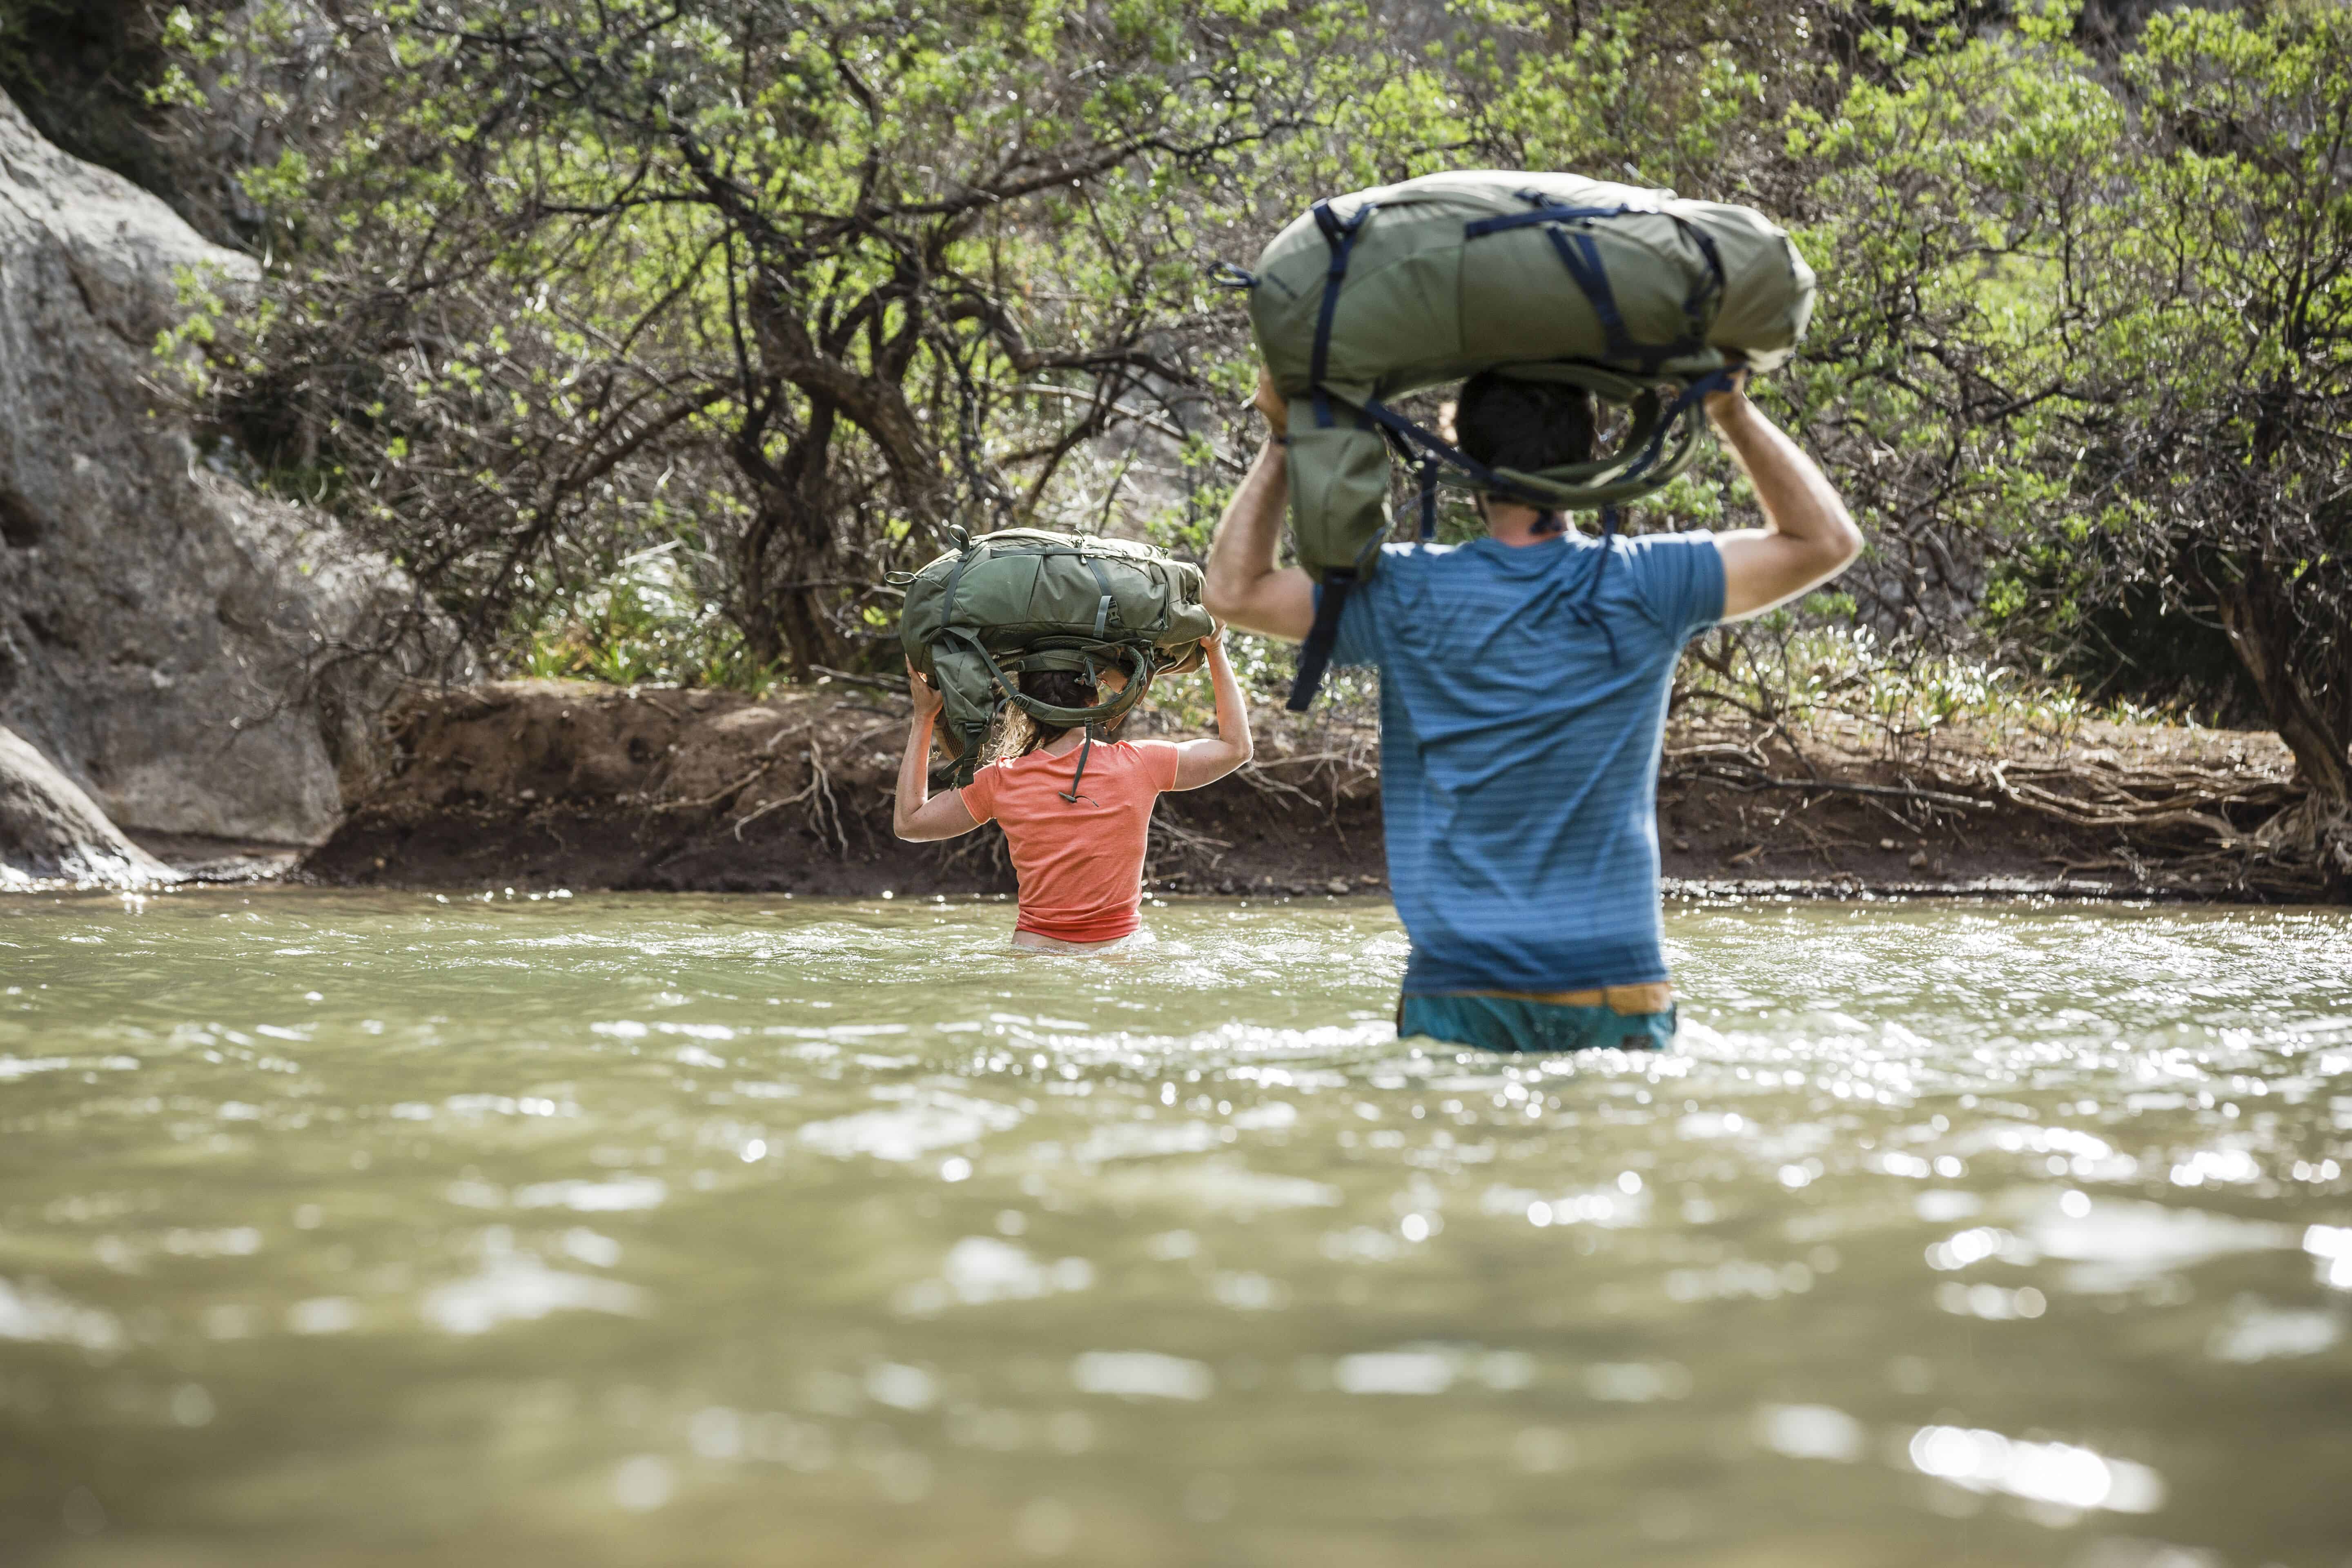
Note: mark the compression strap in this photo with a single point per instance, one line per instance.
(1541, 215)
(1580, 255)
(1106, 608)
(1315, 653)
(955, 578)
(1341, 235)
(1085, 749)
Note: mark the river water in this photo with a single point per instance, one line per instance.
(390, 1229)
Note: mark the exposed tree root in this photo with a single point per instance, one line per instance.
(588, 786)
(2214, 810)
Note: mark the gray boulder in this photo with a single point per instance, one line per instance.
(199, 659)
(51, 830)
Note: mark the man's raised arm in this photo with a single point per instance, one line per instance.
(1807, 537)
(1244, 586)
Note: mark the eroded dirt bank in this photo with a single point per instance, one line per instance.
(550, 783)
(537, 784)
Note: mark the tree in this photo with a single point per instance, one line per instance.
(2222, 396)
(2095, 330)
(807, 282)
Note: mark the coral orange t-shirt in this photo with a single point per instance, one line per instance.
(1080, 865)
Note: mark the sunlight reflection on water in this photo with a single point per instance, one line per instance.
(621, 1229)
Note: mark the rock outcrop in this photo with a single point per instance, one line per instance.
(179, 647)
(51, 830)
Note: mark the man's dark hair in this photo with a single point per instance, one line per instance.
(1524, 425)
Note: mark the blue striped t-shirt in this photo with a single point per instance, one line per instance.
(1519, 757)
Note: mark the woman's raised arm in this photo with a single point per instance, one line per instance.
(1207, 761)
(917, 814)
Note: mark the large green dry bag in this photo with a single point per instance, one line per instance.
(1023, 599)
(1636, 294)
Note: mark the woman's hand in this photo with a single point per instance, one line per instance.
(1219, 653)
(1722, 405)
(923, 694)
(1272, 404)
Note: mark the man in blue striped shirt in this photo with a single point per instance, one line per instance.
(1524, 679)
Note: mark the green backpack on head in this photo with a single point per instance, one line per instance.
(1023, 599)
(1643, 299)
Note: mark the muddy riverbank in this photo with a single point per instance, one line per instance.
(541, 784)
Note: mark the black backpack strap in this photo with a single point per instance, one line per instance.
(1341, 235)
(1315, 653)
(1582, 256)
(1085, 749)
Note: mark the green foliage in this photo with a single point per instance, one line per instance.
(641, 626)
(2094, 326)
(843, 275)
(1799, 673)
(796, 287)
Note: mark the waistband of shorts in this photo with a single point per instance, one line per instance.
(1626, 1001)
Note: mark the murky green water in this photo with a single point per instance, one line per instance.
(376, 1229)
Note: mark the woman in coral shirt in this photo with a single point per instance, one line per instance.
(1076, 808)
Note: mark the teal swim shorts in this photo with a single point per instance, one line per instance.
(1522, 1024)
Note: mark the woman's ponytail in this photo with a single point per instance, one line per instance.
(1063, 689)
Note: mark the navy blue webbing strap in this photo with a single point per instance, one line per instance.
(1530, 218)
(1411, 435)
(1581, 257)
(1427, 466)
(1315, 653)
(1437, 447)
(1341, 238)
(1713, 380)
(1592, 589)
(1716, 283)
